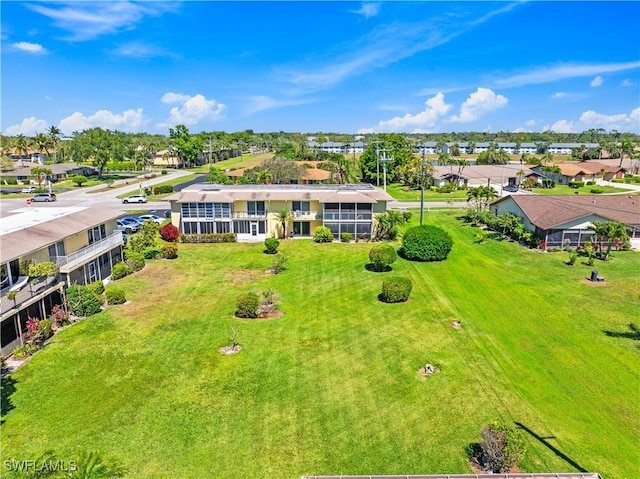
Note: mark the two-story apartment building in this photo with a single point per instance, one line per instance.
(251, 211)
(83, 242)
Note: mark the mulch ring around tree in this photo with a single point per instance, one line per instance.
(265, 316)
(231, 349)
(428, 370)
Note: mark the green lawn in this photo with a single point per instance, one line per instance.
(400, 192)
(172, 182)
(585, 190)
(332, 387)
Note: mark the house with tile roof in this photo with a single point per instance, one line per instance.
(561, 221)
(84, 243)
(582, 171)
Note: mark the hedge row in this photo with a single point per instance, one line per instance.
(209, 238)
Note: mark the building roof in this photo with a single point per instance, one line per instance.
(29, 229)
(483, 171)
(546, 212)
(24, 168)
(572, 168)
(352, 193)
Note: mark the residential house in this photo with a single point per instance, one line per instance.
(561, 221)
(167, 159)
(483, 175)
(582, 171)
(567, 148)
(251, 211)
(311, 176)
(59, 171)
(83, 242)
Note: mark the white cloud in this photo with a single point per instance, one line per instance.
(141, 50)
(262, 102)
(34, 48)
(426, 120)
(128, 121)
(560, 72)
(597, 81)
(368, 10)
(192, 109)
(627, 82)
(480, 102)
(29, 127)
(559, 94)
(89, 20)
(590, 119)
(530, 123)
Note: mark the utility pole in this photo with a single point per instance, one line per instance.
(377, 165)
(384, 166)
(422, 188)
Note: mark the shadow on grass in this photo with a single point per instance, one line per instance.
(555, 450)
(372, 267)
(7, 389)
(633, 333)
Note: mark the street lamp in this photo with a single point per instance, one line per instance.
(384, 167)
(422, 188)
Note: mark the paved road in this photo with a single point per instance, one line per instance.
(104, 199)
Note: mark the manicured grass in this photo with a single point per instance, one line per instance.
(585, 190)
(332, 387)
(172, 182)
(403, 193)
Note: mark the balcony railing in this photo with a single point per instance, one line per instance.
(304, 215)
(27, 294)
(256, 215)
(347, 216)
(70, 262)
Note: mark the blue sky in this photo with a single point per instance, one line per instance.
(320, 66)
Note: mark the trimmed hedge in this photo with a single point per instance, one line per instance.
(134, 260)
(120, 270)
(152, 252)
(271, 245)
(382, 256)
(209, 238)
(322, 234)
(81, 301)
(247, 305)
(426, 243)
(576, 184)
(97, 287)
(396, 290)
(161, 189)
(115, 295)
(346, 237)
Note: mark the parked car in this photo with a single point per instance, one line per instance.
(155, 218)
(511, 188)
(46, 197)
(127, 227)
(135, 219)
(28, 189)
(135, 199)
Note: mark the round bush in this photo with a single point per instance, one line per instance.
(396, 290)
(134, 260)
(382, 256)
(170, 251)
(120, 270)
(271, 245)
(169, 233)
(82, 301)
(426, 243)
(247, 305)
(151, 252)
(322, 234)
(115, 295)
(97, 287)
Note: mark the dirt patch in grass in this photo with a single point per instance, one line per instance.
(231, 349)
(239, 277)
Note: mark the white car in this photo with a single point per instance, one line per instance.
(155, 218)
(135, 199)
(28, 189)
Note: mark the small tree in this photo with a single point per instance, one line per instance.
(247, 305)
(79, 179)
(169, 233)
(609, 233)
(396, 290)
(502, 447)
(279, 264)
(283, 217)
(382, 256)
(144, 238)
(11, 296)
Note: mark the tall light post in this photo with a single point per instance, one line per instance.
(422, 188)
(384, 167)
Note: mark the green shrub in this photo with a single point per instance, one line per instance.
(120, 270)
(426, 243)
(407, 216)
(170, 251)
(382, 256)
(11, 181)
(134, 260)
(247, 305)
(46, 268)
(279, 264)
(45, 329)
(322, 234)
(79, 179)
(502, 446)
(163, 172)
(115, 295)
(576, 184)
(346, 237)
(591, 183)
(151, 252)
(597, 190)
(396, 290)
(25, 351)
(82, 301)
(271, 245)
(97, 287)
(209, 238)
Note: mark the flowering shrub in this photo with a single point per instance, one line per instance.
(169, 233)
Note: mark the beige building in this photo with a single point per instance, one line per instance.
(251, 211)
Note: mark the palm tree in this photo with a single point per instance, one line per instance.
(283, 216)
(41, 174)
(54, 137)
(22, 147)
(264, 177)
(626, 147)
(41, 142)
